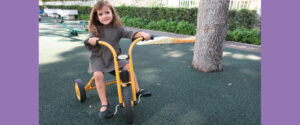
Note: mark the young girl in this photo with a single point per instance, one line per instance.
(105, 25)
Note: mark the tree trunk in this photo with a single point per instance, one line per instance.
(211, 32)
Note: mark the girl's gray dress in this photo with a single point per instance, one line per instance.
(101, 58)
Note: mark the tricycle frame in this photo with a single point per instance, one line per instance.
(118, 81)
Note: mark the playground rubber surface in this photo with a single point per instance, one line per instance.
(180, 94)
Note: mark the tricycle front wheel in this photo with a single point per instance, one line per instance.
(127, 97)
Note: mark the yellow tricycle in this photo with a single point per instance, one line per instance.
(125, 85)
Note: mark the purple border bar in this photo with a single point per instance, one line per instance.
(19, 62)
(280, 62)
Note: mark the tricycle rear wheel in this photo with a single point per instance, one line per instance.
(79, 90)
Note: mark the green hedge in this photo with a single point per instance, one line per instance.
(84, 17)
(243, 18)
(241, 34)
(237, 18)
(133, 22)
(182, 27)
(244, 35)
(158, 13)
(41, 8)
(244, 25)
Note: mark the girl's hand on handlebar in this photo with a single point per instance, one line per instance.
(92, 41)
(145, 35)
(142, 34)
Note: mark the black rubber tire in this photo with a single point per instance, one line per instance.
(127, 97)
(81, 95)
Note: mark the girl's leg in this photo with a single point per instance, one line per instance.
(137, 88)
(99, 80)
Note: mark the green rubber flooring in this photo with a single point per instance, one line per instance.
(180, 94)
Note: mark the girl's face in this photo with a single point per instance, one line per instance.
(105, 15)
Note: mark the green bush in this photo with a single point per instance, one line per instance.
(245, 36)
(161, 25)
(243, 18)
(83, 16)
(237, 18)
(135, 22)
(124, 20)
(152, 25)
(159, 13)
(184, 27)
(41, 8)
(171, 26)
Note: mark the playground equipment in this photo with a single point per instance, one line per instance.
(40, 12)
(73, 31)
(125, 85)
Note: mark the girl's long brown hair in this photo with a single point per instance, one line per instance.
(95, 27)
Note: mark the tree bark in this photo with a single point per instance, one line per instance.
(211, 32)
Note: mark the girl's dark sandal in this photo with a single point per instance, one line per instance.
(105, 114)
(144, 93)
